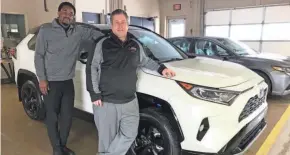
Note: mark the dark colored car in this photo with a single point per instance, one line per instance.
(274, 68)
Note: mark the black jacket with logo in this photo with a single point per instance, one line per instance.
(112, 69)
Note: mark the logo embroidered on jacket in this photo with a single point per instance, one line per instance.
(133, 49)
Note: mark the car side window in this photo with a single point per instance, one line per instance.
(221, 52)
(32, 42)
(208, 48)
(183, 44)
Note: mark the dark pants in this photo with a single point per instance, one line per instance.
(59, 103)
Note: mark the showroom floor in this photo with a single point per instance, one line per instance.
(20, 135)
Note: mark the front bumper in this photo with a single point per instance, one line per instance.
(280, 83)
(242, 141)
(219, 123)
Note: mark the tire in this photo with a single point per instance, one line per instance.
(32, 102)
(267, 80)
(152, 117)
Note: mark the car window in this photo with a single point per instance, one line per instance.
(236, 46)
(208, 48)
(156, 47)
(32, 42)
(183, 44)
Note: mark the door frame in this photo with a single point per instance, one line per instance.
(174, 17)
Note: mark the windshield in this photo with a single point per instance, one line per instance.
(237, 46)
(156, 47)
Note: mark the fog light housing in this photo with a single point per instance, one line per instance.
(203, 128)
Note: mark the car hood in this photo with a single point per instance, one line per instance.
(284, 60)
(210, 72)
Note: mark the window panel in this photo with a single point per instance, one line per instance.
(277, 14)
(208, 48)
(279, 31)
(91, 18)
(246, 32)
(183, 44)
(282, 48)
(217, 18)
(176, 27)
(217, 31)
(247, 16)
(136, 21)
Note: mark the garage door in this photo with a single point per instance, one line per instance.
(265, 29)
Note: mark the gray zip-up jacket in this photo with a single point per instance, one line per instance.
(58, 50)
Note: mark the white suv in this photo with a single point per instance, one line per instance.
(210, 107)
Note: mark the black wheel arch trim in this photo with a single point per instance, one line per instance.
(150, 99)
(31, 76)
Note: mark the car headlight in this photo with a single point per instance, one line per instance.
(282, 69)
(224, 97)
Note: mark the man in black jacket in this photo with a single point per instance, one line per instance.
(111, 81)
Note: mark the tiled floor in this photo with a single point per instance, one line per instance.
(22, 136)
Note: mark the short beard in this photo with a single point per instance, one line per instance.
(65, 24)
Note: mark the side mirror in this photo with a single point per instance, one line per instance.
(190, 55)
(228, 57)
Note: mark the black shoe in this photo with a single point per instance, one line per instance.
(67, 151)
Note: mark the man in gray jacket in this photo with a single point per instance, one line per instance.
(111, 81)
(57, 50)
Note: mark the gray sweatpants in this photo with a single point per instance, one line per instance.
(117, 126)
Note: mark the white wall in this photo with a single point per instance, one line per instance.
(41, 15)
(33, 10)
(35, 15)
(190, 9)
(144, 8)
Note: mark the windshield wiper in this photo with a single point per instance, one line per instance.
(173, 59)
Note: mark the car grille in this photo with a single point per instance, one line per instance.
(252, 105)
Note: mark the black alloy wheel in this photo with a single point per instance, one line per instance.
(149, 140)
(155, 135)
(32, 102)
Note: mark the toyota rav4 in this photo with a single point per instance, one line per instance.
(209, 107)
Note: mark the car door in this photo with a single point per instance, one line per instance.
(210, 49)
(82, 97)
